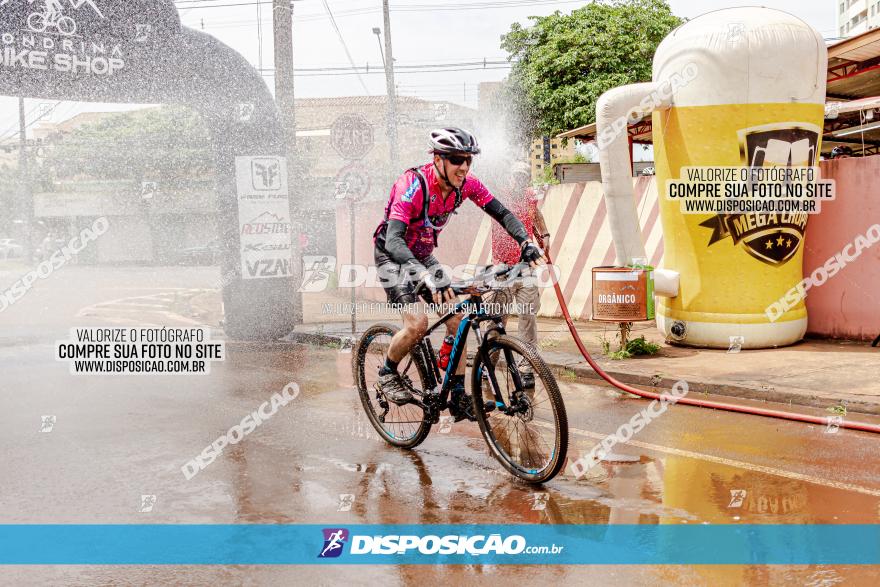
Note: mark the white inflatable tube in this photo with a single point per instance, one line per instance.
(614, 111)
(666, 283)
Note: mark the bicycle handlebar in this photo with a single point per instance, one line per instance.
(489, 274)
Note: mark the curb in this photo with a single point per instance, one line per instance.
(809, 399)
(723, 389)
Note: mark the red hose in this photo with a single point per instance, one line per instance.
(690, 401)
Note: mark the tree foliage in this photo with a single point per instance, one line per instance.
(564, 62)
(158, 144)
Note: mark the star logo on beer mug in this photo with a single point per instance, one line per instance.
(346, 500)
(737, 497)
(736, 344)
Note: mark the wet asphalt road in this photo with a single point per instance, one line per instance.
(118, 438)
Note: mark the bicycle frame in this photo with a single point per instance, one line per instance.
(476, 315)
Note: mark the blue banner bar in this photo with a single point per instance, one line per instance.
(269, 544)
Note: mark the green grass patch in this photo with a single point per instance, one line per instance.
(839, 409)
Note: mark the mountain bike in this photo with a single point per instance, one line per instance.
(527, 432)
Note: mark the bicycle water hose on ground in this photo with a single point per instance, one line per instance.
(692, 401)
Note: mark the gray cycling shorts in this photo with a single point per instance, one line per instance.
(398, 287)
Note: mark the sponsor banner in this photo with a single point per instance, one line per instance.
(247, 544)
(265, 228)
(51, 40)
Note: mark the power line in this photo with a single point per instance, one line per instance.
(405, 72)
(16, 125)
(33, 122)
(481, 5)
(344, 46)
(199, 4)
(371, 69)
(195, 4)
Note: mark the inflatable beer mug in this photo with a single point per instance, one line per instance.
(742, 87)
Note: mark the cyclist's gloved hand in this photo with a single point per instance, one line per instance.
(531, 253)
(438, 281)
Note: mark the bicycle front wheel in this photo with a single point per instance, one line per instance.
(405, 426)
(528, 431)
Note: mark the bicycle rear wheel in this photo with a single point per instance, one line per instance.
(403, 426)
(528, 434)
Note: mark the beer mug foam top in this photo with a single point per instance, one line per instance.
(745, 87)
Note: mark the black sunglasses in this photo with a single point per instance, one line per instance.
(459, 159)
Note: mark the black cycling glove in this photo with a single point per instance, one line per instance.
(437, 280)
(530, 253)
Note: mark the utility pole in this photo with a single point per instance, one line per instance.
(391, 111)
(282, 22)
(25, 199)
(259, 37)
(282, 29)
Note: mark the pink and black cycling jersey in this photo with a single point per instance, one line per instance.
(407, 200)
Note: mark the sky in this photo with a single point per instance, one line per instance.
(424, 32)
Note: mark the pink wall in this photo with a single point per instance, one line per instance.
(847, 305)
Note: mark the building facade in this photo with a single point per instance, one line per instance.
(547, 152)
(856, 16)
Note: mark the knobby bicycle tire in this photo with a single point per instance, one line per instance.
(359, 354)
(542, 372)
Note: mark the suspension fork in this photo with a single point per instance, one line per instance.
(483, 349)
(484, 342)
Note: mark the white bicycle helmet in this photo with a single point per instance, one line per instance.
(453, 140)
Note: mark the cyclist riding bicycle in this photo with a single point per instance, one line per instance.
(421, 203)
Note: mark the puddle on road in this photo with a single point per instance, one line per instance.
(329, 466)
(319, 461)
(452, 477)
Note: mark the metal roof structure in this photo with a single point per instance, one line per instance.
(853, 74)
(852, 116)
